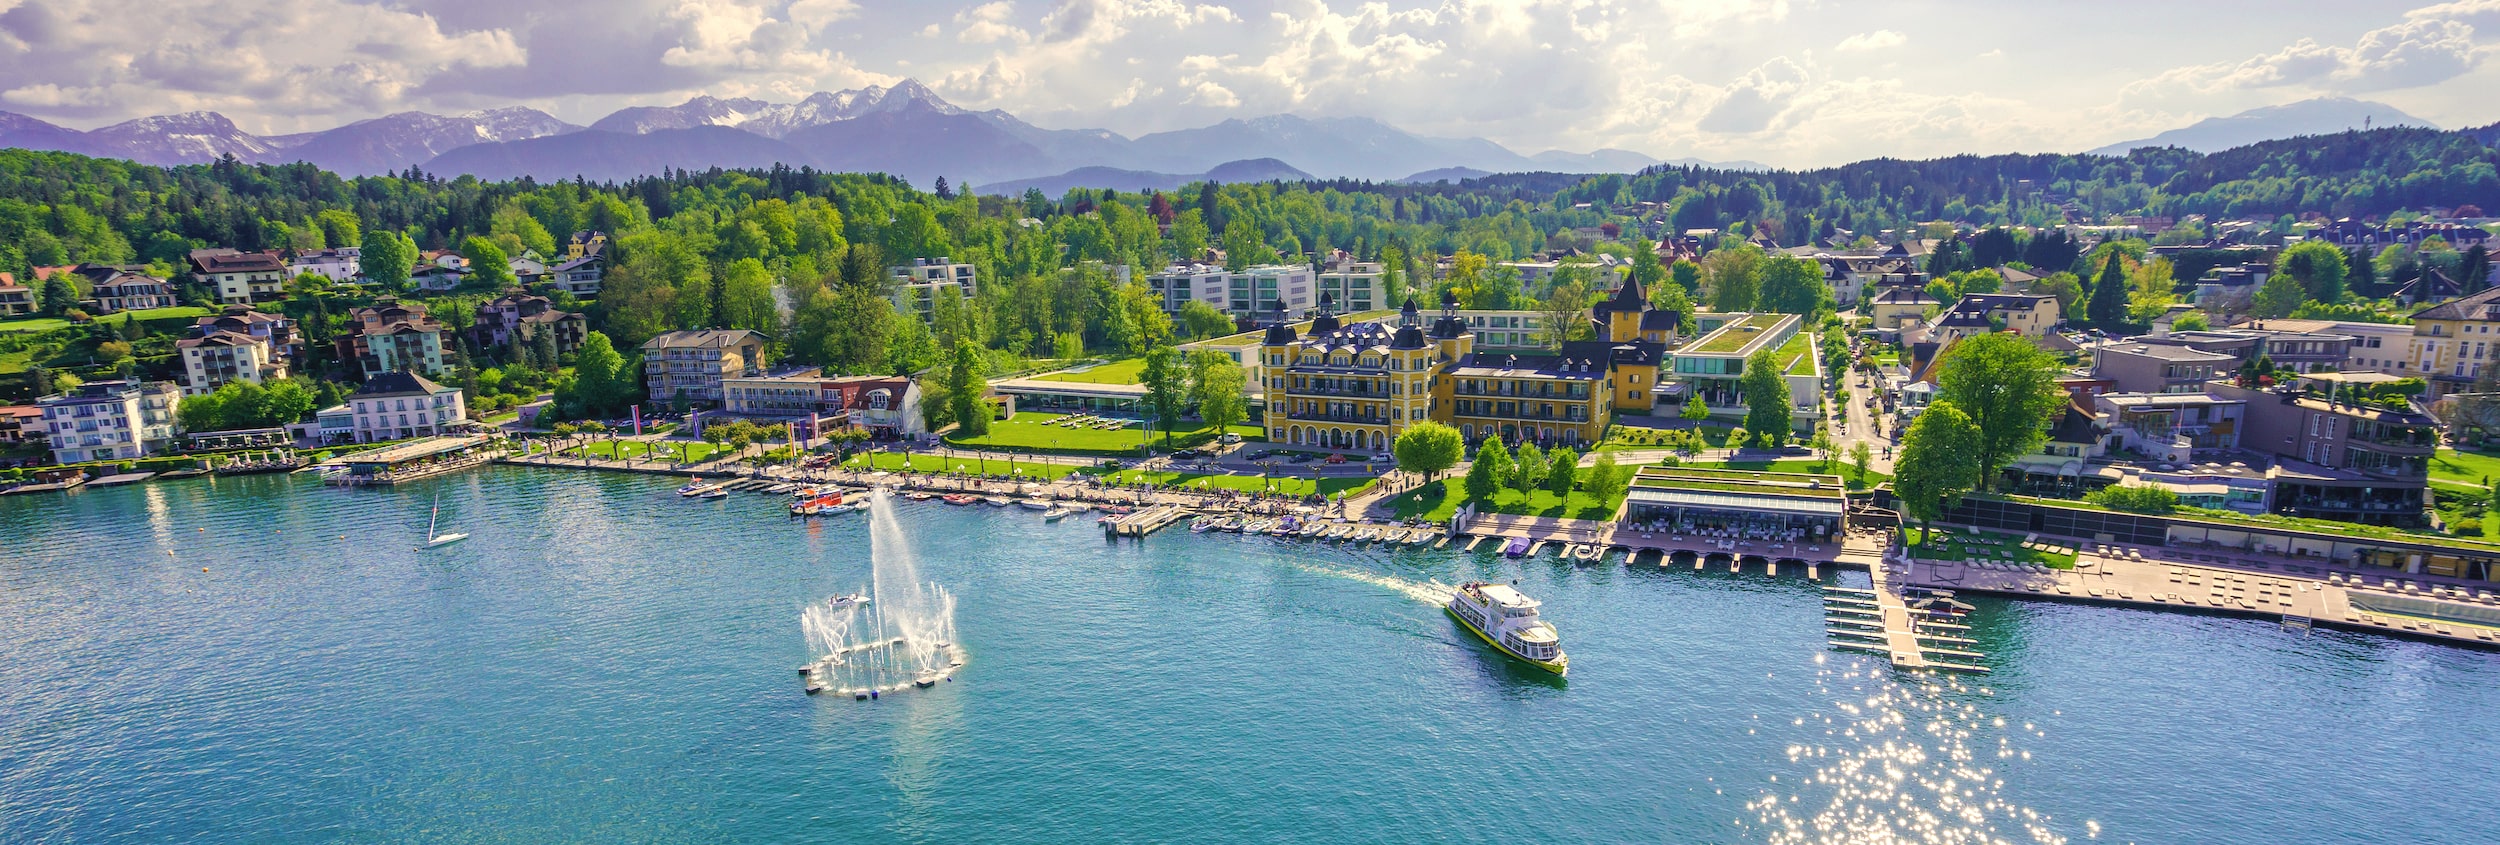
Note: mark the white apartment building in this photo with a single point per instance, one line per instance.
(582, 276)
(211, 360)
(1251, 291)
(400, 405)
(337, 265)
(1356, 286)
(110, 420)
(916, 285)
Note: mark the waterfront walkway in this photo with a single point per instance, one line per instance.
(2298, 593)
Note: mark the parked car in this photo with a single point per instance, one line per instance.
(1112, 464)
(1336, 459)
(1228, 438)
(1382, 458)
(1794, 449)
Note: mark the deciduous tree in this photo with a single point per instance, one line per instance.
(1939, 461)
(2008, 388)
(1429, 448)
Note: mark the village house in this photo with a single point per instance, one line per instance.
(240, 277)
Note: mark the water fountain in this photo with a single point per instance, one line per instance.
(901, 637)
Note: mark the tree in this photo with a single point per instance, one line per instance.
(601, 384)
(1822, 446)
(2108, 308)
(1939, 461)
(385, 258)
(2008, 388)
(2135, 498)
(1528, 468)
(1767, 403)
(60, 296)
(965, 389)
(1428, 448)
(112, 351)
(2066, 286)
(489, 267)
(1693, 408)
(1200, 320)
(2491, 508)
(2318, 266)
(1860, 457)
(1792, 285)
(1561, 471)
(1673, 300)
(2278, 297)
(1490, 471)
(1686, 275)
(1167, 388)
(2193, 321)
(1606, 482)
(747, 297)
(1566, 313)
(1217, 383)
(1735, 274)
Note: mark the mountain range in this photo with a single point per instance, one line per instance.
(2320, 116)
(905, 129)
(909, 131)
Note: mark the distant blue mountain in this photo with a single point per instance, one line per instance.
(2321, 116)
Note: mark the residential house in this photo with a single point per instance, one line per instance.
(343, 264)
(2375, 347)
(916, 285)
(690, 365)
(110, 420)
(241, 277)
(582, 276)
(517, 318)
(274, 329)
(435, 278)
(113, 289)
(397, 405)
(2456, 340)
(1899, 300)
(528, 267)
(585, 244)
(2135, 366)
(211, 360)
(15, 300)
(2033, 316)
(393, 336)
(18, 423)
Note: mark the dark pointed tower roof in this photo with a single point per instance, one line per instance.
(1450, 325)
(1279, 332)
(1410, 334)
(1325, 320)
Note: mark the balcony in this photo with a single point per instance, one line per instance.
(1357, 419)
(1545, 392)
(1346, 392)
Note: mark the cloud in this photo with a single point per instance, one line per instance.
(309, 58)
(2432, 45)
(1756, 99)
(818, 14)
(989, 23)
(1865, 42)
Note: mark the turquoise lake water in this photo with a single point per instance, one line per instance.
(605, 662)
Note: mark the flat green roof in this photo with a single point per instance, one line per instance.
(1734, 336)
(1795, 352)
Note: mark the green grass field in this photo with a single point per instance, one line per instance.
(922, 462)
(1033, 431)
(2467, 468)
(1116, 372)
(635, 450)
(1987, 545)
(1437, 501)
(45, 324)
(1246, 483)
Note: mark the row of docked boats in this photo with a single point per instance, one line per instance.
(1292, 525)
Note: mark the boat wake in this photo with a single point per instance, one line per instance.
(900, 635)
(1432, 593)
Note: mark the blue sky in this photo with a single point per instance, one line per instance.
(1789, 82)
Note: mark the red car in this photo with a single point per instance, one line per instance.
(1336, 459)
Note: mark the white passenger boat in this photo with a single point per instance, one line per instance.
(1506, 618)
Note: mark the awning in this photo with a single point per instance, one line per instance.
(1754, 503)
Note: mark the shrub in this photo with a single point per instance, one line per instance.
(2135, 498)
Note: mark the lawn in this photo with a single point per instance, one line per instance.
(635, 450)
(928, 463)
(1623, 437)
(1986, 545)
(1246, 483)
(1116, 372)
(1034, 432)
(1436, 502)
(45, 324)
(1807, 466)
(2467, 468)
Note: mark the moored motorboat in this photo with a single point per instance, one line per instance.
(959, 498)
(1205, 524)
(713, 492)
(692, 489)
(1507, 619)
(997, 501)
(1034, 504)
(919, 496)
(1056, 514)
(1517, 547)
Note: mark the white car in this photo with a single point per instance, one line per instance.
(1381, 458)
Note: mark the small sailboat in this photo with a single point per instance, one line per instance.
(432, 539)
